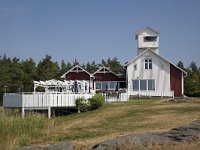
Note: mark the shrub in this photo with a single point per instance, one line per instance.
(82, 105)
(193, 94)
(96, 101)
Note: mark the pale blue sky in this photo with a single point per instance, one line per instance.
(89, 30)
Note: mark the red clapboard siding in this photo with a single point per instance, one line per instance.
(77, 76)
(107, 77)
(176, 81)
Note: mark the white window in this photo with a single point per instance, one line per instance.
(113, 85)
(105, 85)
(98, 85)
(148, 63)
(143, 85)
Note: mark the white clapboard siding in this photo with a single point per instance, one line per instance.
(152, 93)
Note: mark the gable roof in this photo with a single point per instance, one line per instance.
(77, 67)
(149, 50)
(106, 69)
(156, 31)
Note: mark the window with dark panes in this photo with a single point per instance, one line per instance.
(151, 84)
(148, 63)
(150, 38)
(143, 84)
(135, 85)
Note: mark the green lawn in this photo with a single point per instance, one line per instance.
(86, 129)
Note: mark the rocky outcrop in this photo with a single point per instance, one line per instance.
(186, 133)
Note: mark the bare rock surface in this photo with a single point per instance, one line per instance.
(186, 133)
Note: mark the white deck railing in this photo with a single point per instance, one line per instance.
(152, 93)
(42, 100)
(12, 100)
(122, 97)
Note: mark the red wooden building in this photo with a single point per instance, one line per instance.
(102, 80)
(106, 80)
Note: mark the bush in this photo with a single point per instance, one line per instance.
(96, 101)
(82, 105)
(193, 94)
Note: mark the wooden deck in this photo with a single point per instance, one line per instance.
(39, 101)
(50, 100)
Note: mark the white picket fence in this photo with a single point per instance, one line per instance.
(122, 97)
(42, 100)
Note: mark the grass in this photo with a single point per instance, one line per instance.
(87, 129)
(16, 131)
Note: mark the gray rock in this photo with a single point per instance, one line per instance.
(186, 133)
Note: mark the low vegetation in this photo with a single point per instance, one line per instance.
(15, 131)
(95, 102)
(84, 130)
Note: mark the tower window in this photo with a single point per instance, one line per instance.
(148, 63)
(150, 38)
(135, 67)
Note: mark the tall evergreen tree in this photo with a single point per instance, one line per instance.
(47, 69)
(113, 64)
(91, 67)
(30, 74)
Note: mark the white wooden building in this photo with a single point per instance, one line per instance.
(150, 74)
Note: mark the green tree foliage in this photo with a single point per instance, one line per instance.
(192, 80)
(180, 65)
(64, 67)
(30, 73)
(113, 64)
(47, 69)
(91, 67)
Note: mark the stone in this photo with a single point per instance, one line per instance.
(186, 133)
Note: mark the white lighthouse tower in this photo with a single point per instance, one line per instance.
(147, 38)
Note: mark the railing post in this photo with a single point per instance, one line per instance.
(23, 110)
(3, 112)
(49, 112)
